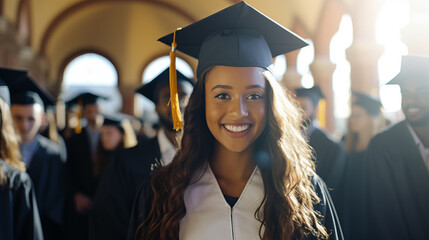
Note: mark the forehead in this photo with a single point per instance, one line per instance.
(235, 76)
(26, 109)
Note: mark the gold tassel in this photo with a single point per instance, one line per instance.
(174, 97)
(321, 116)
(78, 128)
(53, 132)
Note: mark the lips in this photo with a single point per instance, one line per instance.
(237, 130)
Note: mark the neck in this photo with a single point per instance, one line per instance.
(171, 136)
(423, 133)
(92, 125)
(232, 166)
(363, 141)
(28, 141)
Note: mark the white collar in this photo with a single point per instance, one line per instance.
(166, 147)
(208, 215)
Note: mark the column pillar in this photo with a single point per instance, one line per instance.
(364, 52)
(415, 35)
(127, 93)
(322, 69)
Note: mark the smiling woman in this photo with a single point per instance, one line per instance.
(243, 170)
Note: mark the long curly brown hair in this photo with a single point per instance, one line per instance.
(9, 141)
(289, 194)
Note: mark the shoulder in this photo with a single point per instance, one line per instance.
(141, 155)
(391, 134)
(147, 147)
(322, 135)
(15, 177)
(48, 145)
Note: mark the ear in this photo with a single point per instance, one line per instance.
(44, 118)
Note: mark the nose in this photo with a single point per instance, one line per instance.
(239, 107)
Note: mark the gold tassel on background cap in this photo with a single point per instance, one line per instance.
(79, 110)
(53, 132)
(174, 97)
(321, 116)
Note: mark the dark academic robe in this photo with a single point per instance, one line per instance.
(80, 179)
(353, 218)
(118, 187)
(19, 215)
(397, 187)
(209, 215)
(47, 171)
(330, 158)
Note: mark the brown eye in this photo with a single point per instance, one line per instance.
(222, 96)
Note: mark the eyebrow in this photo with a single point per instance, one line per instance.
(221, 86)
(229, 87)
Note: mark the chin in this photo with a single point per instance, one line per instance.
(417, 122)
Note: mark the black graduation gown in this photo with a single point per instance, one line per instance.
(19, 216)
(397, 187)
(353, 218)
(326, 208)
(118, 187)
(80, 179)
(330, 161)
(47, 171)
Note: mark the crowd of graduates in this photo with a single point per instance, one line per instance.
(93, 180)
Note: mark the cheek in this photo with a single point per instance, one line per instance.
(214, 113)
(260, 116)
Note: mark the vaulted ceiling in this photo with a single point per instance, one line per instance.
(125, 31)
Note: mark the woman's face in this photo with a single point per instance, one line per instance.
(111, 137)
(235, 105)
(359, 119)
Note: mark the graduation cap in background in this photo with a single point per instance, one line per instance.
(371, 104)
(237, 36)
(22, 89)
(82, 100)
(413, 68)
(85, 98)
(314, 94)
(26, 91)
(150, 90)
(6, 77)
(123, 123)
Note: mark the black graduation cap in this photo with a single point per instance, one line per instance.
(23, 89)
(6, 76)
(27, 91)
(86, 98)
(115, 120)
(151, 89)
(371, 104)
(413, 68)
(314, 94)
(237, 36)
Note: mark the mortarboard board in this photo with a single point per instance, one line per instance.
(413, 68)
(23, 89)
(150, 90)
(237, 36)
(371, 105)
(7, 76)
(85, 98)
(123, 123)
(314, 94)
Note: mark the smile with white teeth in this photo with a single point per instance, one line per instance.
(234, 128)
